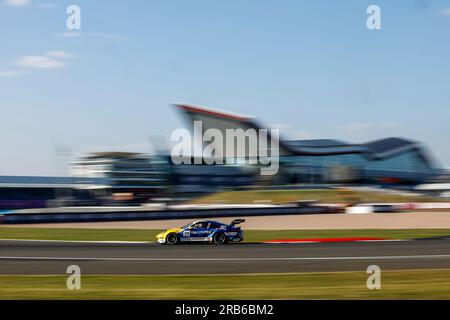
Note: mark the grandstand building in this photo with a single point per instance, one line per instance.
(135, 178)
(386, 161)
(130, 177)
(19, 192)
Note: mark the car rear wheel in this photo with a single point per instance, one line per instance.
(220, 238)
(172, 238)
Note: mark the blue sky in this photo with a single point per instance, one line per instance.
(310, 67)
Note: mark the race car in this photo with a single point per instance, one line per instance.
(203, 231)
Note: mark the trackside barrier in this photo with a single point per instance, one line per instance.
(21, 218)
(418, 205)
(430, 205)
(372, 208)
(359, 210)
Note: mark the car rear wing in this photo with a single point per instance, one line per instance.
(236, 221)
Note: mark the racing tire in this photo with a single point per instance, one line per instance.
(220, 238)
(172, 238)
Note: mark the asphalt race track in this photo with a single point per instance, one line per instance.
(42, 257)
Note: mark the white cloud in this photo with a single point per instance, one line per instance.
(60, 54)
(51, 60)
(446, 12)
(17, 3)
(23, 3)
(10, 73)
(40, 62)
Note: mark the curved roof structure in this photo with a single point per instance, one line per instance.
(378, 149)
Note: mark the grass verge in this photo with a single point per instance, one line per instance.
(250, 235)
(411, 284)
(323, 195)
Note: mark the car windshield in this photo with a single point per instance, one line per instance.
(186, 226)
(199, 225)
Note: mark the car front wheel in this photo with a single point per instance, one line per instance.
(172, 238)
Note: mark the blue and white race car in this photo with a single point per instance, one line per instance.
(203, 231)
